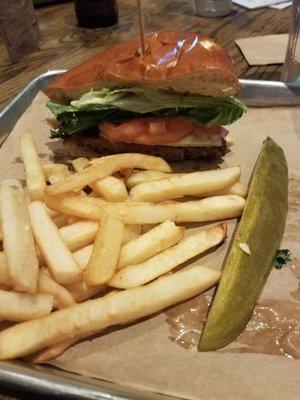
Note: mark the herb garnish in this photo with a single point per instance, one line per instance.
(281, 258)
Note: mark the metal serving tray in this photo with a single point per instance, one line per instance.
(52, 381)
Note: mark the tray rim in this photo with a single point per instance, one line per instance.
(50, 380)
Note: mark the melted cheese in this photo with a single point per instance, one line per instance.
(194, 141)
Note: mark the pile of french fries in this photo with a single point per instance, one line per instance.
(102, 229)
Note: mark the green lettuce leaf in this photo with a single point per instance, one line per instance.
(121, 105)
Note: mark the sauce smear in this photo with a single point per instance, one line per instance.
(274, 327)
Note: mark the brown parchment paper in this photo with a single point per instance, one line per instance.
(142, 355)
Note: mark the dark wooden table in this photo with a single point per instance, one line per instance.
(64, 45)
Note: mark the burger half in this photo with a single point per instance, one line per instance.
(172, 101)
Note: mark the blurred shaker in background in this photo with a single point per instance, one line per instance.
(19, 27)
(212, 8)
(96, 13)
(291, 68)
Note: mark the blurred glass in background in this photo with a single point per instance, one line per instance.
(96, 13)
(19, 27)
(291, 68)
(212, 8)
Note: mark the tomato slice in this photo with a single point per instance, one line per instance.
(156, 131)
(149, 131)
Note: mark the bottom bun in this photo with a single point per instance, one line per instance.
(86, 146)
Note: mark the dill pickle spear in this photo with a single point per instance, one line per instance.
(261, 228)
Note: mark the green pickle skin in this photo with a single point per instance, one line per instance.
(261, 228)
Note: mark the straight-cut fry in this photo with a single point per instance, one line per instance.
(139, 274)
(55, 350)
(23, 306)
(62, 298)
(107, 166)
(55, 172)
(79, 234)
(204, 210)
(112, 189)
(35, 179)
(150, 243)
(106, 250)
(194, 183)
(5, 279)
(91, 316)
(18, 243)
(58, 257)
(138, 177)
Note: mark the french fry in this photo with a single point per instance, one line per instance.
(131, 232)
(18, 243)
(55, 172)
(62, 298)
(113, 189)
(23, 306)
(204, 210)
(83, 255)
(107, 166)
(106, 250)
(35, 179)
(138, 177)
(139, 274)
(55, 252)
(52, 351)
(81, 292)
(90, 317)
(80, 163)
(60, 220)
(194, 183)
(5, 279)
(150, 243)
(55, 350)
(237, 188)
(79, 234)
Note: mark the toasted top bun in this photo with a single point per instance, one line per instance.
(176, 60)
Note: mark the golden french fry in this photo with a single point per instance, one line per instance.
(150, 243)
(61, 220)
(138, 177)
(35, 179)
(80, 163)
(107, 166)
(113, 189)
(23, 306)
(79, 234)
(55, 252)
(55, 350)
(91, 316)
(194, 183)
(18, 243)
(55, 172)
(204, 210)
(106, 250)
(81, 292)
(83, 255)
(62, 298)
(237, 188)
(131, 232)
(5, 279)
(139, 274)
